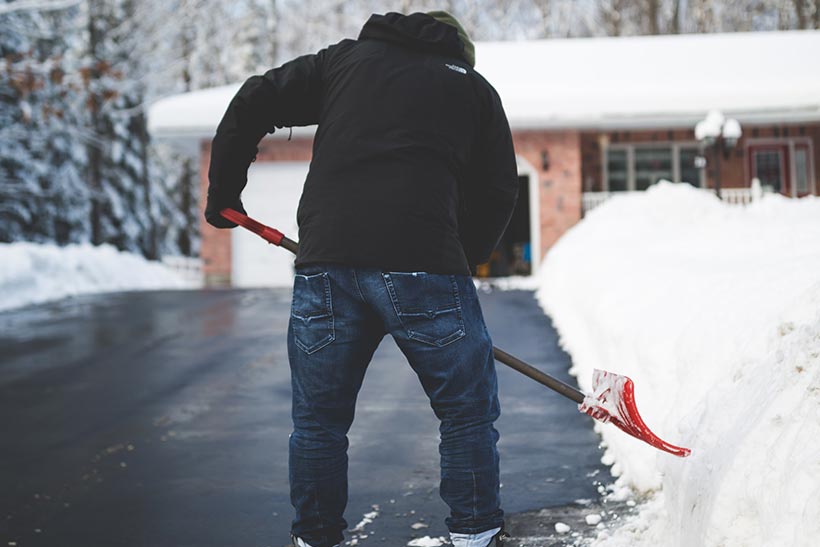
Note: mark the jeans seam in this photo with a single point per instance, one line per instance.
(329, 312)
(475, 499)
(457, 298)
(391, 292)
(358, 288)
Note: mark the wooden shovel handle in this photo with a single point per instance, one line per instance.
(277, 238)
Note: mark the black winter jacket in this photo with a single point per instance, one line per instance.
(413, 166)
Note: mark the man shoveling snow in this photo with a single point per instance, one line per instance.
(412, 183)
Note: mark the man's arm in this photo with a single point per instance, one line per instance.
(285, 96)
(491, 190)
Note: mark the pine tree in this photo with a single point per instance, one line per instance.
(41, 193)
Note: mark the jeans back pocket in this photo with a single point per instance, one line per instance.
(428, 306)
(312, 312)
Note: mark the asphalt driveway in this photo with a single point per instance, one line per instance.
(162, 419)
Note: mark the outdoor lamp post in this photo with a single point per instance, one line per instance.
(719, 134)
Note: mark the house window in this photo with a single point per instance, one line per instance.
(639, 166)
(769, 168)
(617, 168)
(689, 172)
(652, 165)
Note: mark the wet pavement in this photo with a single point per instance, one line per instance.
(162, 419)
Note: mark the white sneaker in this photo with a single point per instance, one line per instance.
(299, 542)
(483, 539)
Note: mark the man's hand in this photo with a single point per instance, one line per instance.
(213, 208)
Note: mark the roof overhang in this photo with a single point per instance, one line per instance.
(603, 83)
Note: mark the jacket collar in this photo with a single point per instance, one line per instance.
(417, 31)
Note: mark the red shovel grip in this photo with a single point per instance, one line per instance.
(265, 232)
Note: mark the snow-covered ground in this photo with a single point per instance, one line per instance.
(31, 273)
(714, 311)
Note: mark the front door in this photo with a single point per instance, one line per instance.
(770, 165)
(513, 254)
(784, 167)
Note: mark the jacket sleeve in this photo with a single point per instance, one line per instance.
(290, 95)
(491, 189)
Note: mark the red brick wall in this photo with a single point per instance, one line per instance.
(592, 171)
(284, 150)
(560, 184)
(215, 250)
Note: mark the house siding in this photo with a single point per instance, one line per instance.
(559, 186)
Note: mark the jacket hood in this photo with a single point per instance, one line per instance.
(417, 30)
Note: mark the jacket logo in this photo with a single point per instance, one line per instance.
(456, 68)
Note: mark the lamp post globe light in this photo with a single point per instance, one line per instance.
(720, 135)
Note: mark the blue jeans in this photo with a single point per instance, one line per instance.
(339, 315)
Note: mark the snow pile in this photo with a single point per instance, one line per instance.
(714, 311)
(31, 273)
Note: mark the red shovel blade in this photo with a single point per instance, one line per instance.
(613, 401)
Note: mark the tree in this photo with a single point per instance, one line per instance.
(42, 197)
(611, 16)
(651, 11)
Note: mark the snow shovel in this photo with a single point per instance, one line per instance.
(613, 397)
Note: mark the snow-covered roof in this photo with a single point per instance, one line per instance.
(607, 83)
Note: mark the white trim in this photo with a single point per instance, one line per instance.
(676, 162)
(802, 114)
(525, 168)
(806, 114)
(810, 180)
(792, 169)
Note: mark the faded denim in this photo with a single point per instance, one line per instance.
(339, 315)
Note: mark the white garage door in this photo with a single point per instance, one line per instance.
(271, 197)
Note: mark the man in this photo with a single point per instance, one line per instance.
(412, 182)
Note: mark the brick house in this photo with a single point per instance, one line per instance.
(590, 117)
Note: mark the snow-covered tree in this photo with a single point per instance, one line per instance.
(42, 194)
(76, 77)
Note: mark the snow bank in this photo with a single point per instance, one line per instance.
(714, 311)
(31, 273)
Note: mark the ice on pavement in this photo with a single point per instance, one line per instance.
(31, 273)
(714, 311)
(562, 528)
